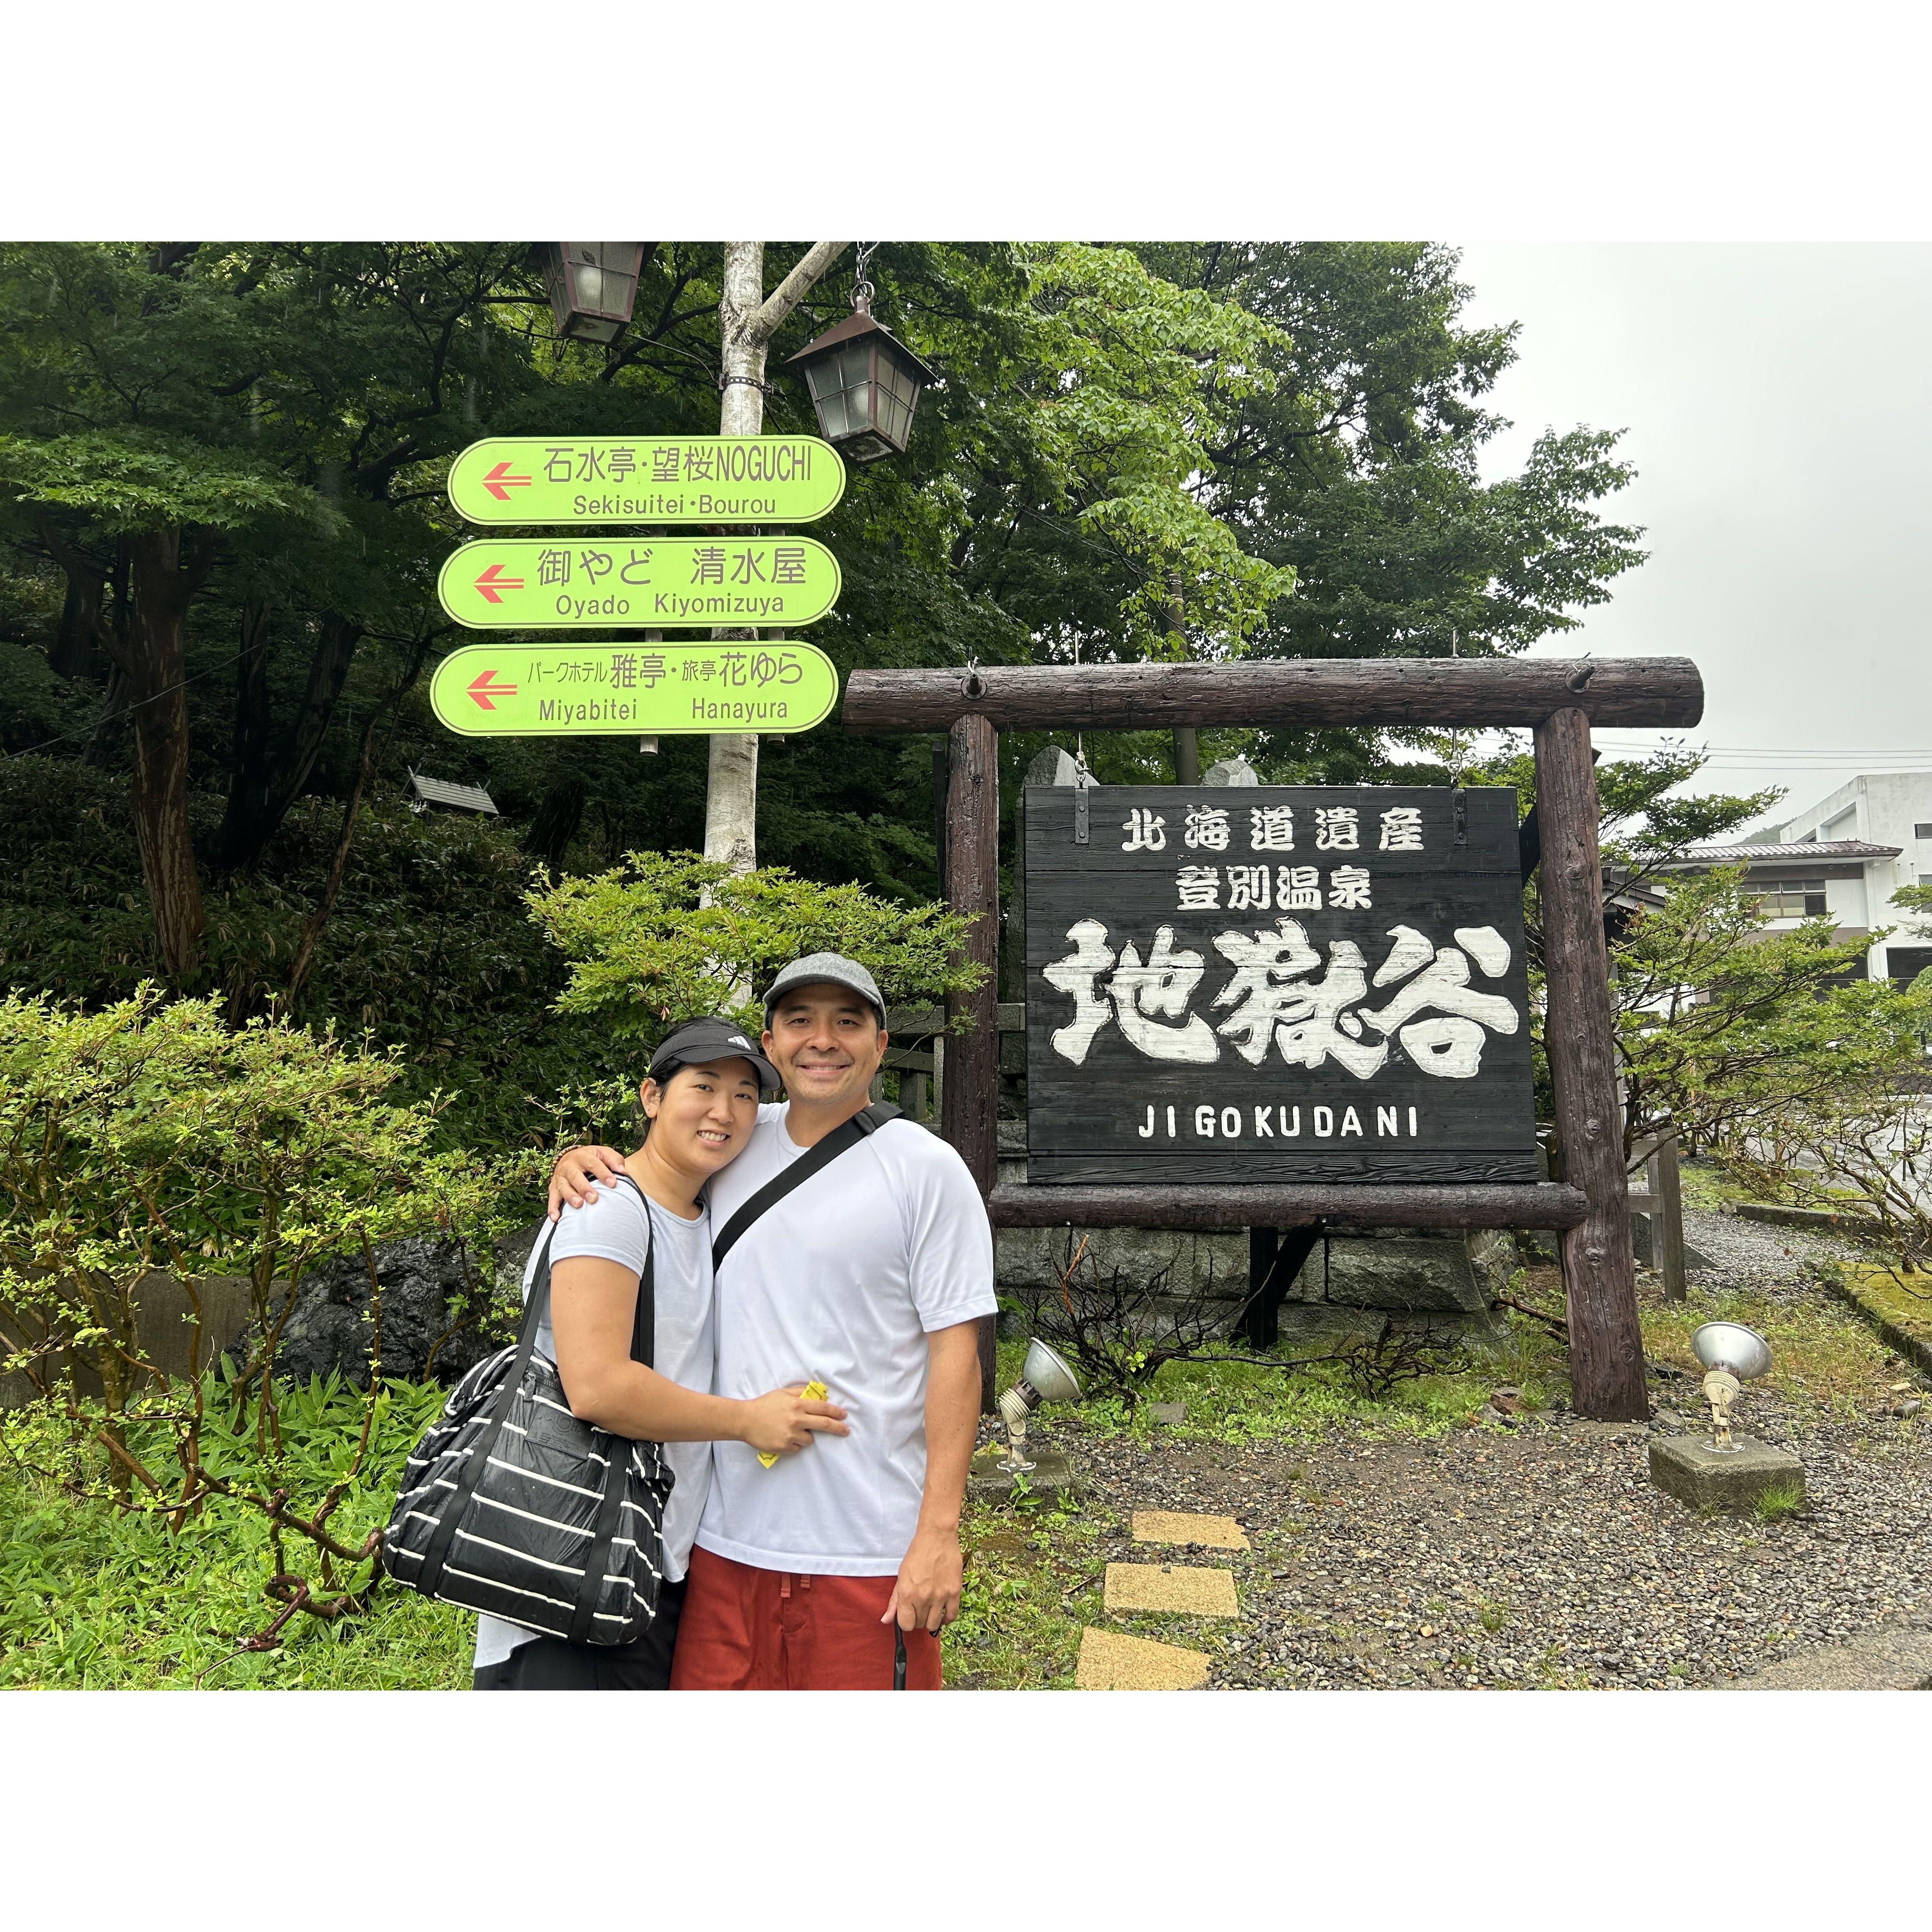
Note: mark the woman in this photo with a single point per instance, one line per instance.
(701, 1101)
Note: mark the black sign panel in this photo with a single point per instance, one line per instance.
(1292, 983)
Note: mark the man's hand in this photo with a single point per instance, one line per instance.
(781, 1423)
(570, 1179)
(926, 1596)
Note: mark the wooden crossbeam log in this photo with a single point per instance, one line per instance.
(1288, 691)
(1541, 1204)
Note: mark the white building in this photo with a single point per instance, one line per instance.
(1846, 855)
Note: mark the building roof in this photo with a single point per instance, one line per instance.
(1795, 851)
(465, 798)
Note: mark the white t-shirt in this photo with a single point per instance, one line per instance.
(612, 1229)
(842, 1280)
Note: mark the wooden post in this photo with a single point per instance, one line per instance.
(1599, 1267)
(1666, 1237)
(1260, 1320)
(971, 1096)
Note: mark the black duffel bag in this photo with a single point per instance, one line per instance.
(511, 1505)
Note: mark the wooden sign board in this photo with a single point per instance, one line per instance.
(1275, 984)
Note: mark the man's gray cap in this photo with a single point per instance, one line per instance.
(817, 968)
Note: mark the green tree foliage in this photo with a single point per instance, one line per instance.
(666, 937)
(1734, 1030)
(1130, 451)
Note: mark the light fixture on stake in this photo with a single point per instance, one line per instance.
(865, 383)
(1732, 1355)
(592, 286)
(1044, 1377)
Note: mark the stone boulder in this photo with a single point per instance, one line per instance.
(438, 1299)
(1409, 1273)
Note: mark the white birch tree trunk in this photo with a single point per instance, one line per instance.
(747, 322)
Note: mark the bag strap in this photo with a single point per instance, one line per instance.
(617, 1448)
(437, 1554)
(836, 1143)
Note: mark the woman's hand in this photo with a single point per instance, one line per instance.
(783, 1422)
(571, 1180)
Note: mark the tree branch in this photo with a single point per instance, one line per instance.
(764, 325)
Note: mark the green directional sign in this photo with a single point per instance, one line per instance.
(593, 583)
(646, 479)
(617, 687)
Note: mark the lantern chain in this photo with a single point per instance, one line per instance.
(862, 290)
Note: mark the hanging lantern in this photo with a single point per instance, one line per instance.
(865, 383)
(592, 286)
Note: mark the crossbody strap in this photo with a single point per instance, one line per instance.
(610, 1511)
(774, 1190)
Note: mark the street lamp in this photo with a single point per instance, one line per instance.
(865, 383)
(592, 286)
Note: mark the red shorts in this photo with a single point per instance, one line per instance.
(744, 1629)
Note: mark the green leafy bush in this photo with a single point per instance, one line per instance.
(149, 1139)
(665, 936)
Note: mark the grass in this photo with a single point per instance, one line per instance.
(1033, 1581)
(94, 1599)
(1780, 1500)
(1904, 1300)
(1706, 1185)
(90, 1600)
(1825, 1362)
(1234, 1402)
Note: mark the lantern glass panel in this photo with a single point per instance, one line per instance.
(898, 392)
(589, 278)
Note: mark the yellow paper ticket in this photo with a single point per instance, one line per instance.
(814, 1390)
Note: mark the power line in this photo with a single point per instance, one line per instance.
(167, 690)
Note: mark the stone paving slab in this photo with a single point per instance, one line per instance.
(1171, 1586)
(1211, 1532)
(1109, 1661)
(1881, 1660)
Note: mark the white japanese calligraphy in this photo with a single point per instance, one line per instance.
(1199, 887)
(1337, 828)
(1348, 888)
(1160, 990)
(1207, 828)
(1249, 888)
(1078, 976)
(1297, 889)
(1271, 828)
(1438, 1019)
(1146, 830)
(1401, 829)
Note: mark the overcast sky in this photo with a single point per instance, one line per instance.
(1778, 399)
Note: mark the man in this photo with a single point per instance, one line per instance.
(870, 1277)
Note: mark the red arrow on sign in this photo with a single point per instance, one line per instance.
(500, 482)
(482, 690)
(493, 581)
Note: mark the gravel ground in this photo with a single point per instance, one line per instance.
(1537, 1555)
(1753, 1254)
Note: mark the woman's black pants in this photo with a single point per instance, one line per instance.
(549, 1664)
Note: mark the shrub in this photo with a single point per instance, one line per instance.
(149, 1138)
(666, 937)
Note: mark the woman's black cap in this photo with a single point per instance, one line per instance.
(697, 1042)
